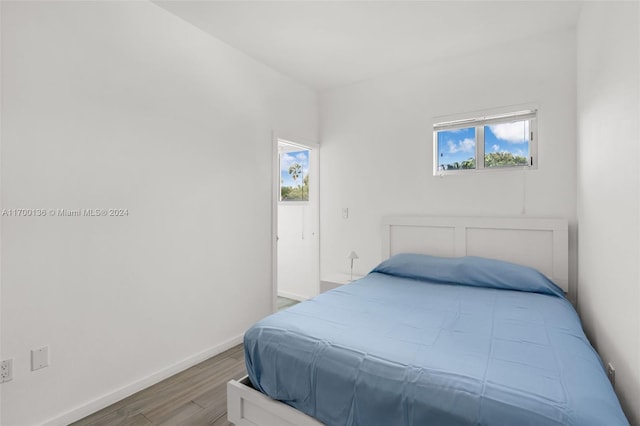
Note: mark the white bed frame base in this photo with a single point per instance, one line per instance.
(249, 407)
(540, 243)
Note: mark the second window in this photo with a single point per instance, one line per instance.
(489, 142)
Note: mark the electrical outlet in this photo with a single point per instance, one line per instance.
(6, 370)
(611, 374)
(345, 213)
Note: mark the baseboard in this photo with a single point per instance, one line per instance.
(292, 296)
(104, 401)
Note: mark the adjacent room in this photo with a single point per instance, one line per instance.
(181, 179)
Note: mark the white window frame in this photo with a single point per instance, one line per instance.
(479, 122)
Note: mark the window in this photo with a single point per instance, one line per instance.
(294, 174)
(492, 142)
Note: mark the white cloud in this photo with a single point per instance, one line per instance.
(466, 145)
(286, 161)
(512, 132)
(496, 148)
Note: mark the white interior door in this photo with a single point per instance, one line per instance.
(298, 257)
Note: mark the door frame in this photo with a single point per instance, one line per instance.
(276, 137)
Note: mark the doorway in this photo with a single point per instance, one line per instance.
(297, 259)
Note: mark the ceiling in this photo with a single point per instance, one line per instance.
(327, 44)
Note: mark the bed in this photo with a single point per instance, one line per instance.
(456, 338)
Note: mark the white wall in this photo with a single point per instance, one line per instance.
(377, 146)
(123, 105)
(608, 189)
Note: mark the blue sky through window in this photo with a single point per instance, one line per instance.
(507, 137)
(289, 158)
(459, 145)
(456, 145)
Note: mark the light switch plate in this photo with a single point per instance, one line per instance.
(39, 358)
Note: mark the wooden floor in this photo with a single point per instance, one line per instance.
(284, 303)
(194, 397)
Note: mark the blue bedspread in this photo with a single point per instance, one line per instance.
(398, 351)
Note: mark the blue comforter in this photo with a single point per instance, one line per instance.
(397, 348)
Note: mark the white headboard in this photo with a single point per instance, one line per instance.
(536, 242)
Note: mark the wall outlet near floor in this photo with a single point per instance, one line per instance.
(6, 370)
(39, 358)
(611, 374)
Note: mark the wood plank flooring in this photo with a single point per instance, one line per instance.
(284, 303)
(194, 397)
